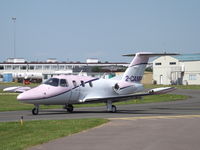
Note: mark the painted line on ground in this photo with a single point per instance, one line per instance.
(156, 117)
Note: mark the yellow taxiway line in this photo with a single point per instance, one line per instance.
(156, 117)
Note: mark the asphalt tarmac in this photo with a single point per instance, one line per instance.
(155, 126)
(134, 134)
(184, 107)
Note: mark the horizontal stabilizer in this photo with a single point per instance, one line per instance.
(161, 90)
(17, 89)
(151, 54)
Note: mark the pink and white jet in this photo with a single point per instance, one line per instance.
(73, 89)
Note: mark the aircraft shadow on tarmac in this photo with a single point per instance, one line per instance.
(135, 111)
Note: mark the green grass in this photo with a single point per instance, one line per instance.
(13, 136)
(9, 102)
(9, 84)
(193, 87)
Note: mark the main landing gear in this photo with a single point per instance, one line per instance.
(110, 107)
(69, 108)
(35, 110)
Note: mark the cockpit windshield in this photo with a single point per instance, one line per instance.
(52, 81)
(57, 82)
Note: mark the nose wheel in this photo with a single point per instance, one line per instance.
(69, 108)
(35, 110)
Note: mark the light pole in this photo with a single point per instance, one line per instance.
(14, 35)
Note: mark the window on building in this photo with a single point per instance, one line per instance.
(31, 67)
(8, 67)
(1, 67)
(16, 67)
(38, 67)
(54, 67)
(192, 77)
(68, 67)
(172, 63)
(158, 63)
(61, 67)
(23, 67)
(63, 83)
(46, 67)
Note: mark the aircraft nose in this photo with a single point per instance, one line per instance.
(35, 93)
(21, 97)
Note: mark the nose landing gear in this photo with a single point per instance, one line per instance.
(35, 110)
(69, 108)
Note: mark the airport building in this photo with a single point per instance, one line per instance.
(19, 68)
(180, 69)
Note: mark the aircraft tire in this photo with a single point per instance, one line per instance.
(35, 111)
(70, 108)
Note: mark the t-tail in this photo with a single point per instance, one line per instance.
(135, 70)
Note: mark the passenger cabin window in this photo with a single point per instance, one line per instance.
(158, 63)
(74, 83)
(63, 83)
(83, 83)
(172, 63)
(90, 83)
(52, 82)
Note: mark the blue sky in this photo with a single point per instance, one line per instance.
(73, 30)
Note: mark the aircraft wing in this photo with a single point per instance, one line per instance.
(155, 91)
(17, 89)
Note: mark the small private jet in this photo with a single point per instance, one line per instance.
(74, 89)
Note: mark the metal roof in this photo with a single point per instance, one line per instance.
(188, 57)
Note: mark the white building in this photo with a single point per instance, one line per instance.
(180, 69)
(20, 68)
(92, 60)
(16, 60)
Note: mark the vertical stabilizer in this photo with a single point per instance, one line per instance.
(135, 70)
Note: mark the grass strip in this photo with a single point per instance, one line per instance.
(16, 137)
(9, 84)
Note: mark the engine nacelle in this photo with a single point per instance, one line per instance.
(123, 88)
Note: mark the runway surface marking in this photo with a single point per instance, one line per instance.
(157, 117)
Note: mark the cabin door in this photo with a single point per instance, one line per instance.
(75, 92)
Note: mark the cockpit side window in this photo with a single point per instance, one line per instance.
(52, 82)
(74, 83)
(63, 83)
(90, 83)
(83, 83)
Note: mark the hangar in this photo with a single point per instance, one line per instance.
(180, 69)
